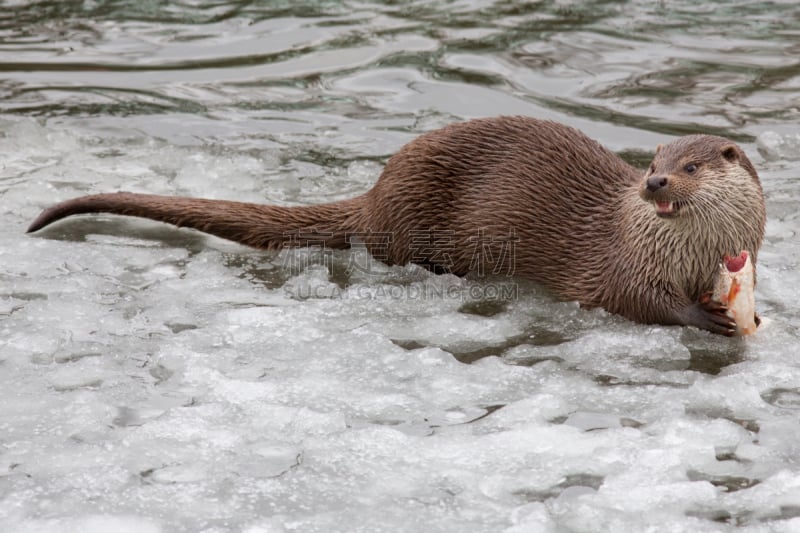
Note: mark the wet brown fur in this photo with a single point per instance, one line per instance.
(582, 220)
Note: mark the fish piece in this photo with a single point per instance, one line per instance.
(735, 289)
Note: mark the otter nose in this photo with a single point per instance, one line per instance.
(656, 182)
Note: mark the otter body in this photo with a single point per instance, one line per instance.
(533, 198)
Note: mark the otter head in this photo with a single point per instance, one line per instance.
(698, 175)
(703, 200)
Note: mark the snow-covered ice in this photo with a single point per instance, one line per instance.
(157, 380)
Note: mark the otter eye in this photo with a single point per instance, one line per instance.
(652, 168)
(690, 168)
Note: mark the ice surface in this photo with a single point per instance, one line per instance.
(158, 380)
(775, 146)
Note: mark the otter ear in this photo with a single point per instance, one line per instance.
(730, 152)
(659, 147)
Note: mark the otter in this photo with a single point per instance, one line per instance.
(538, 199)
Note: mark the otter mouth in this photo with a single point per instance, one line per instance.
(667, 209)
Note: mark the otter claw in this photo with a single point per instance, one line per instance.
(717, 314)
(710, 315)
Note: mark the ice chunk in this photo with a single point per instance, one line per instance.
(775, 146)
(97, 523)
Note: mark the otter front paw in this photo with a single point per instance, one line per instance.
(710, 315)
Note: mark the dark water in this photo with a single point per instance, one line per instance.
(157, 380)
(664, 68)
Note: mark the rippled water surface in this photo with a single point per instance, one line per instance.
(158, 380)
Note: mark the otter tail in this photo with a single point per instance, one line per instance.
(259, 226)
